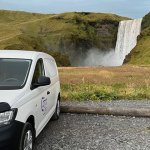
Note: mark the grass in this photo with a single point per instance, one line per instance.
(11, 22)
(105, 84)
(140, 55)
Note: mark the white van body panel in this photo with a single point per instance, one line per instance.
(11, 96)
(36, 102)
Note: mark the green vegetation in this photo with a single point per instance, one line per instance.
(140, 55)
(102, 84)
(61, 59)
(71, 34)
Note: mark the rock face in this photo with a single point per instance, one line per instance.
(127, 38)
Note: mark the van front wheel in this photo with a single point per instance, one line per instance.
(27, 138)
(57, 111)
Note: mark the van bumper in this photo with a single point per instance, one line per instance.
(10, 135)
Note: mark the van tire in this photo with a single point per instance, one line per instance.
(57, 111)
(28, 129)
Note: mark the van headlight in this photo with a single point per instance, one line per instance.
(7, 117)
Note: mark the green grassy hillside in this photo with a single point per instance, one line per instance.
(141, 53)
(70, 34)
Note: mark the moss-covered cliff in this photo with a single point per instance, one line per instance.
(70, 34)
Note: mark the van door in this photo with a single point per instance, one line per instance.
(50, 72)
(40, 96)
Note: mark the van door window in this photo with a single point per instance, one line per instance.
(39, 71)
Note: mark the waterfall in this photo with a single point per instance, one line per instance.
(128, 32)
(127, 38)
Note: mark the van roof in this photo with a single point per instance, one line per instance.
(22, 54)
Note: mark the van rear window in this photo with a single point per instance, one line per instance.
(52, 68)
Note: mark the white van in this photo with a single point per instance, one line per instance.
(29, 97)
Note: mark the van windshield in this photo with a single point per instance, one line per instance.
(13, 73)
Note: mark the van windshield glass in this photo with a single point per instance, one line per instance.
(13, 73)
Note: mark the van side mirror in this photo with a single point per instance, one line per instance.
(43, 81)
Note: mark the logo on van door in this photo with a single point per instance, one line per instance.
(44, 105)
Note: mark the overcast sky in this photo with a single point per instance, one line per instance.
(130, 8)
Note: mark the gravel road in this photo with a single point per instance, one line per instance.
(95, 132)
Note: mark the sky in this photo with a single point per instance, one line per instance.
(129, 8)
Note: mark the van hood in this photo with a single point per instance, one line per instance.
(11, 96)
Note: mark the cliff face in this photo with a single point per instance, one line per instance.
(141, 53)
(70, 34)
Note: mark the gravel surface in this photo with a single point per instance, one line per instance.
(117, 103)
(95, 132)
